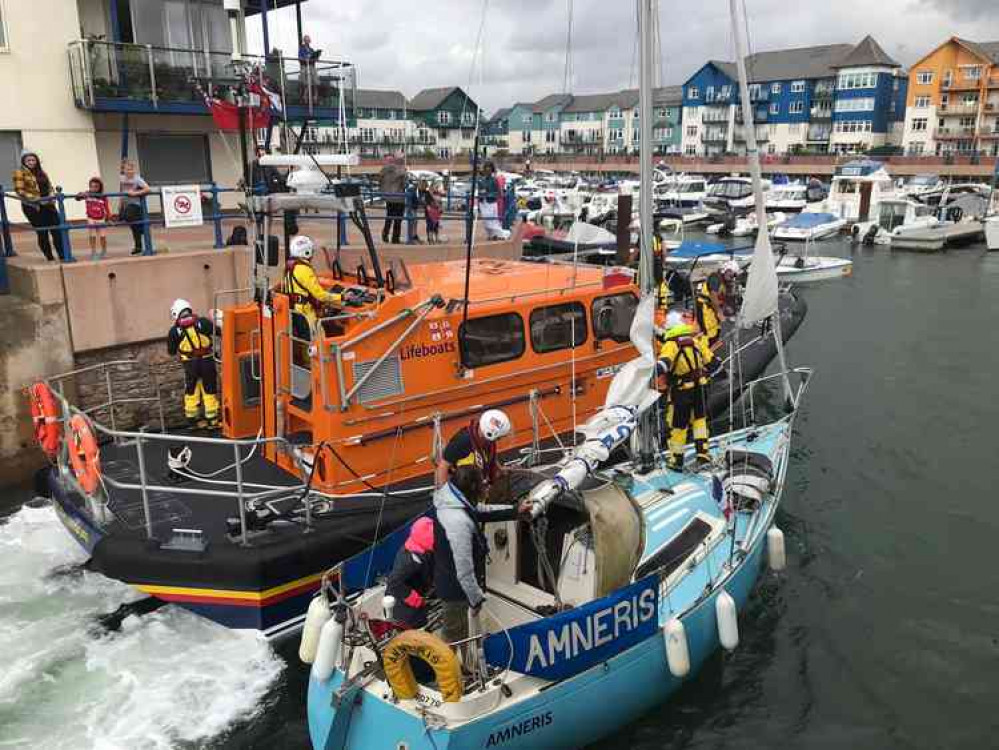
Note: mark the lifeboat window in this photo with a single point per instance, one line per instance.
(612, 316)
(492, 339)
(558, 327)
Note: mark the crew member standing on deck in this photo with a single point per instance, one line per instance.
(300, 283)
(475, 445)
(413, 575)
(686, 365)
(708, 307)
(190, 338)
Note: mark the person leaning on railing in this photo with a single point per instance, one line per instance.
(130, 209)
(34, 188)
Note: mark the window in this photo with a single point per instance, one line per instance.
(690, 150)
(865, 104)
(797, 87)
(614, 113)
(848, 81)
(692, 131)
(973, 73)
(919, 123)
(726, 92)
(367, 135)
(754, 91)
(796, 108)
(709, 94)
(558, 327)
(774, 88)
(771, 148)
(443, 118)
(924, 77)
(467, 118)
(612, 315)
(3, 30)
(170, 159)
(775, 108)
(10, 151)
(921, 102)
(550, 116)
(916, 148)
(794, 128)
(490, 340)
(693, 93)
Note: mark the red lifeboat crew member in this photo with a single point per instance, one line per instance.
(475, 445)
(190, 338)
(685, 367)
(300, 283)
(412, 575)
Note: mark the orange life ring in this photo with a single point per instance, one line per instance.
(84, 454)
(45, 417)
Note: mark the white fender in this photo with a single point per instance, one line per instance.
(776, 554)
(677, 653)
(318, 614)
(728, 621)
(388, 606)
(328, 653)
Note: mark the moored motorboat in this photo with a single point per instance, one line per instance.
(809, 226)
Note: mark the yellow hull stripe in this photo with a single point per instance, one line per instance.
(228, 594)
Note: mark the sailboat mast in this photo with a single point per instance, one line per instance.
(646, 14)
(756, 174)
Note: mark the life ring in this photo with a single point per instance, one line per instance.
(45, 417)
(432, 650)
(84, 455)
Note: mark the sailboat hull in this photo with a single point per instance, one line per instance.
(570, 714)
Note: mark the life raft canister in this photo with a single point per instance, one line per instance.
(45, 417)
(431, 649)
(84, 455)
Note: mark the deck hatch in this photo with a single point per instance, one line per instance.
(385, 382)
(679, 548)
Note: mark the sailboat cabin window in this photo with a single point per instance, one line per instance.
(491, 340)
(612, 316)
(558, 327)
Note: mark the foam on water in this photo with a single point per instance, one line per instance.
(168, 679)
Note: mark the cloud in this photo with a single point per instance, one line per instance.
(408, 46)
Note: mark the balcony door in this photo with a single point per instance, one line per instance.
(189, 29)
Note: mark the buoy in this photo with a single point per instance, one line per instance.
(728, 621)
(328, 653)
(677, 653)
(776, 555)
(315, 618)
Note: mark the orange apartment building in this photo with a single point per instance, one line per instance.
(953, 100)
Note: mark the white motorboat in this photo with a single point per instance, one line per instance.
(809, 226)
(745, 226)
(857, 189)
(731, 195)
(682, 192)
(790, 198)
(807, 269)
(992, 231)
(896, 217)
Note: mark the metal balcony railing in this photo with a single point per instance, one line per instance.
(959, 108)
(107, 72)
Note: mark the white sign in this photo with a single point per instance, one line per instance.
(182, 206)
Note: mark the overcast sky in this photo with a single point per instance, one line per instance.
(406, 45)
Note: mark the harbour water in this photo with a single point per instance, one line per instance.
(881, 634)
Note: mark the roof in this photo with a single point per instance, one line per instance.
(867, 52)
(821, 61)
(499, 114)
(988, 50)
(600, 102)
(552, 100)
(376, 99)
(429, 99)
(668, 95)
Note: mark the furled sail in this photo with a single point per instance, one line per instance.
(760, 298)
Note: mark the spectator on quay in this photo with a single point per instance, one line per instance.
(98, 216)
(34, 188)
(307, 63)
(432, 211)
(130, 209)
(488, 195)
(392, 184)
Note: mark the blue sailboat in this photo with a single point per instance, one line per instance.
(627, 578)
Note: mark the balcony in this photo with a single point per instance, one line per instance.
(715, 116)
(820, 113)
(947, 110)
(116, 77)
(954, 133)
(818, 134)
(823, 92)
(714, 136)
(762, 135)
(759, 95)
(587, 138)
(760, 115)
(962, 84)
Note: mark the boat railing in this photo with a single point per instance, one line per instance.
(237, 489)
(802, 376)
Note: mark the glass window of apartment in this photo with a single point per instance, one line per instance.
(709, 94)
(726, 91)
(691, 130)
(174, 159)
(916, 148)
(774, 88)
(924, 77)
(921, 102)
(797, 87)
(775, 107)
(443, 118)
(973, 72)
(693, 93)
(10, 151)
(919, 123)
(796, 108)
(690, 150)
(614, 112)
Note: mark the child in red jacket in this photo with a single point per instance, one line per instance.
(98, 216)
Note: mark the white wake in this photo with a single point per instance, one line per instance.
(166, 679)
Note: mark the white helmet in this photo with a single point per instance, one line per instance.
(178, 306)
(301, 247)
(674, 318)
(732, 267)
(494, 424)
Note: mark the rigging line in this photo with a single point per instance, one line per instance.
(381, 505)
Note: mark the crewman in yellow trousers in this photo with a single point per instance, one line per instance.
(190, 338)
(300, 283)
(685, 367)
